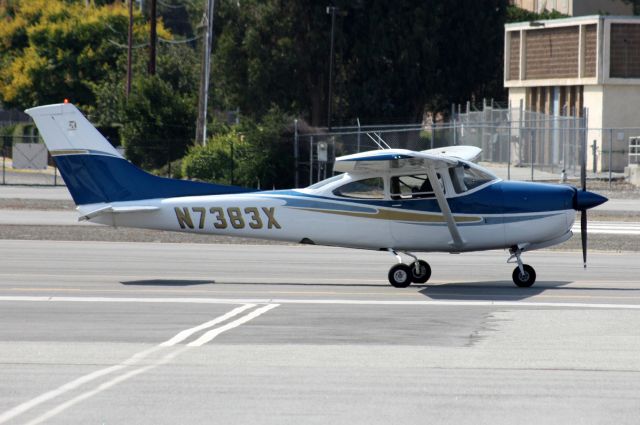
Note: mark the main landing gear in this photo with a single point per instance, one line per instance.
(402, 275)
(524, 275)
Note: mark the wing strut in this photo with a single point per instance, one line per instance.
(458, 242)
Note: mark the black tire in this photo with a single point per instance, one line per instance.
(400, 276)
(524, 280)
(425, 272)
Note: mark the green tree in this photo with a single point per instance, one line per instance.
(56, 49)
(391, 58)
(251, 154)
(158, 125)
(164, 126)
(272, 53)
(516, 14)
(215, 161)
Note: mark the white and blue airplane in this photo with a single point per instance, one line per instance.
(390, 200)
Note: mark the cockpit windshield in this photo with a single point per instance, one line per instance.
(325, 182)
(464, 177)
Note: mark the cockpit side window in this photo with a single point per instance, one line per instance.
(413, 186)
(371, 188)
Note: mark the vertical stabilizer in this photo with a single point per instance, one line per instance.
(95, 172)
(64, 130)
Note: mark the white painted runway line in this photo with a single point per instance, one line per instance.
(453, 303)
(610, 228)
(215, 332)
(104, 386)
(131, 361)
(181, 336)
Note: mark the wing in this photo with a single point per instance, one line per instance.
(391, 159)
(468, 153)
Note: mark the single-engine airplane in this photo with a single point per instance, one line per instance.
(389, 199)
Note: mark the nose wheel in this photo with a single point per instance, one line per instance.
(402, 275)
(524, 278)
(524, 275)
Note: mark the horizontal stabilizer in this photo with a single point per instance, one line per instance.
(117, 210)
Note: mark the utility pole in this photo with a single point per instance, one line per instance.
(129, 49)
(201, 124)
(332, 11)
(153, 38)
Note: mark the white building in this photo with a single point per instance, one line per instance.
(561, 66)
(577, 7)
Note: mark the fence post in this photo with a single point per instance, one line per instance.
(482, 128)
(358, 136)
(585, 113)
(532, 142)
(4, 157)
(520, 132)
(295, 153)
(461, 122)
(509, 121)
(594, 153)
(610, 154)
(310, 160)
(576, 137)
(433, 131)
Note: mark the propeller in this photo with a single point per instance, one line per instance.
(583, 200)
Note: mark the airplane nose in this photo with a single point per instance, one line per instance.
(583, 200)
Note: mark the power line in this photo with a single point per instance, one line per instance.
(183, 41)
(160, 39)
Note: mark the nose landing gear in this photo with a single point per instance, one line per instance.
(402, 275)
(524, 275)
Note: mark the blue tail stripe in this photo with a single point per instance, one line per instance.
(98, 178)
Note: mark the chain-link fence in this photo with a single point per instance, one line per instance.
(528, 144)
(533, 145)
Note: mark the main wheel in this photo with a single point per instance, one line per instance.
(526, 279)
(424, 271)
(400, 276)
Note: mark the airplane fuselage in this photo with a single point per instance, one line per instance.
(498, 215)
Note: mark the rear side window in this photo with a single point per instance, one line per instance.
(372, 188)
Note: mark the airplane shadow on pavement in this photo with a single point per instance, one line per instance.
(489, 291)
(166, 282)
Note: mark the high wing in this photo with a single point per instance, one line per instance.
(391, 159)
(468, 153)
(405, 160)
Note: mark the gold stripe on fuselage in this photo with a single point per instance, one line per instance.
(383, 214)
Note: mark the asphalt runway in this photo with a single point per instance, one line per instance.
(112, 333)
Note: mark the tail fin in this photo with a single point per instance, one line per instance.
(95, 172)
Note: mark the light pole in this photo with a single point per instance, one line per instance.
(331, 10)
(203, 95)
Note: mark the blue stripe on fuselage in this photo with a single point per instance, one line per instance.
(501, 197)
(99, 178)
